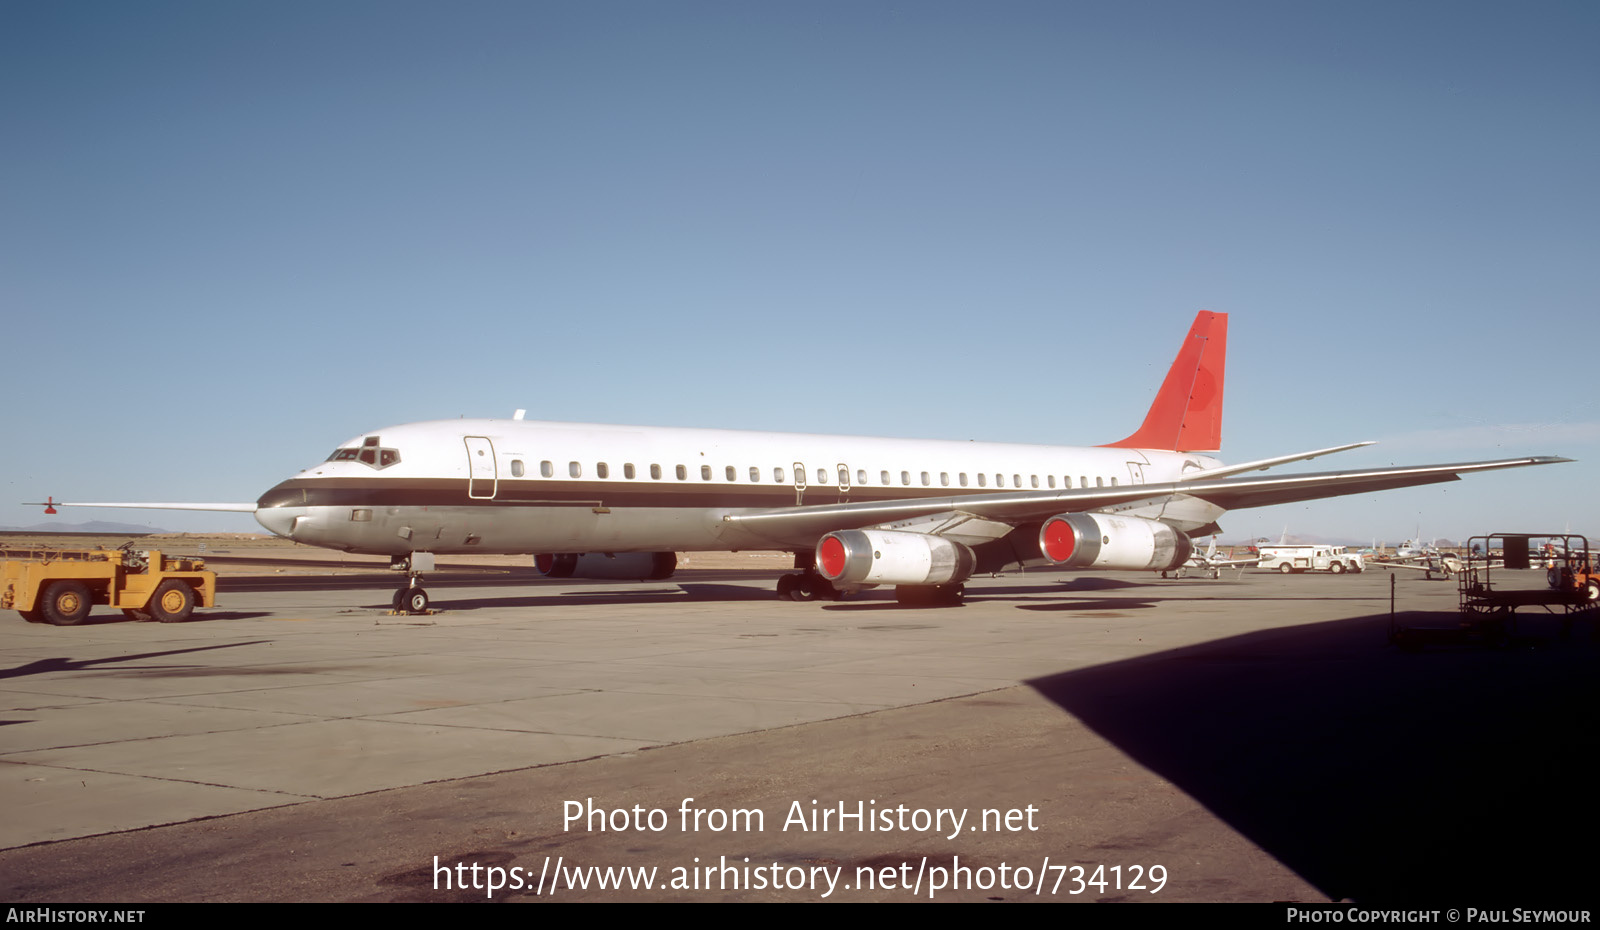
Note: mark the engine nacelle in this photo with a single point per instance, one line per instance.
(1098, 540)
(642, 566)
(887, 557)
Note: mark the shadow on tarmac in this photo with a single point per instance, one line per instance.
(113, 663)
(1451, 778)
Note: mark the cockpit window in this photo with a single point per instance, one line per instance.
(371, 453)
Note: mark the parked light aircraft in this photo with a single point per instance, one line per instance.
(1208, 562)
(922, 516)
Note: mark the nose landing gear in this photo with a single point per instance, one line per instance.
(411, 599)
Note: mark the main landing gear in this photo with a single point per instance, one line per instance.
(411, 598)
(807, 584)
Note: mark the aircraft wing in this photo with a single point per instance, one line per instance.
(239, 507)
(1229, 563)
(807, 523)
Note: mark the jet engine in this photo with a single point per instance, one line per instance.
(1099, 540)
(863, 557)
(634, 566)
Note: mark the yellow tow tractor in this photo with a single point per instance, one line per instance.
(61, 585)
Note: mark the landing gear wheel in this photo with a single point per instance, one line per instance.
(173, 602)
(136, 615)
(411, 601)
(66, 603)
(805, 588)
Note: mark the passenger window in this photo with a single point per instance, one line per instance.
(655, 472)
(944, 478)
(602, 470)
(546, 469)
(1099, 482)
(732, 473)
(516, 468)
(983, 480)
(627, 471)
(999, 481)
(1051, 479)
(1113, 481)
(925, 480)
(705, 472)
(1083, 481)
(1066, 482)
(905, 478)
(777, 474)
(822, 476)
(574, 469)
(884, 477)
(861, 476)
(683, 473)
(755, 474)
(1035, 480)
(962, 478)
(1016, 481)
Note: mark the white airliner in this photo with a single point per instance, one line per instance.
(856, 511)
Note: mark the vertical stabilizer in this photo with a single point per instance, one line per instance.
(1187, 413)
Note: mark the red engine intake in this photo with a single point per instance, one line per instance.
(1098, 540)
(886, 557)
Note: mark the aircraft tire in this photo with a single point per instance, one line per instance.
(66, 603)
(805, 588)
(173, 602)
(411, 601)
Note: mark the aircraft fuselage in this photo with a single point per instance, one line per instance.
(518, 486)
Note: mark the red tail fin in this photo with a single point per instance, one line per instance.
(1187, 413)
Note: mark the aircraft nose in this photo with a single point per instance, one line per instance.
(278, 520)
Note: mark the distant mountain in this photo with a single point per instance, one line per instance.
(93, 526)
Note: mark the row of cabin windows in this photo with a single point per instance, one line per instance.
(602, 470)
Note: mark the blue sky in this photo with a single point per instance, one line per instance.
(233, 235)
